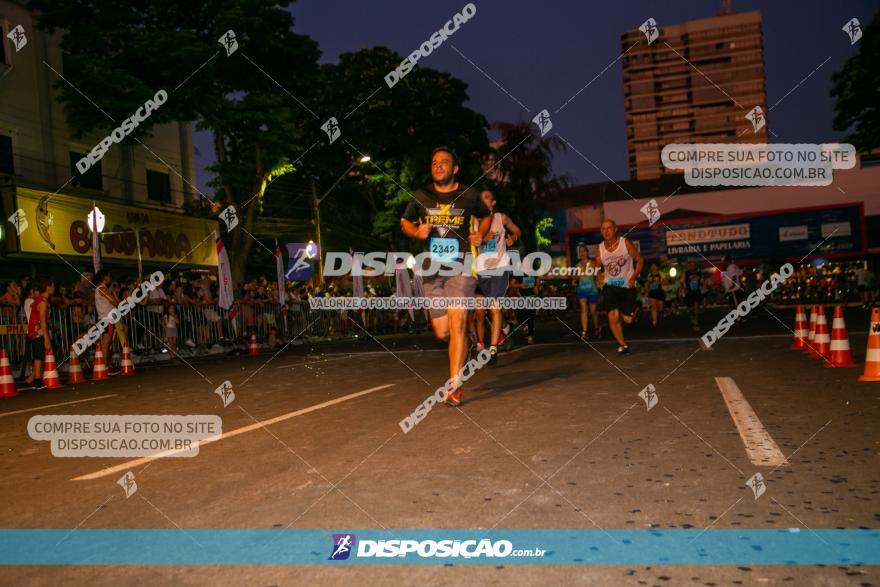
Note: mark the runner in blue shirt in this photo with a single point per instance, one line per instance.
(587, 293)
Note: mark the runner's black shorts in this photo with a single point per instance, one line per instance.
(619, 298)
(494, 286)
(693, 298)
(38, 348)
(657, 294)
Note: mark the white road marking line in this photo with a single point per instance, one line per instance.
(79, 401)
(760, 446)
(249, 428)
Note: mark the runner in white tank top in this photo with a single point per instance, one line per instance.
(621, 263)
(493, 251)
(494, 267)
(617, 263)
(490, 262)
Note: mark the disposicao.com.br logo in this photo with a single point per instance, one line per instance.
(344, 545)
(425, 264)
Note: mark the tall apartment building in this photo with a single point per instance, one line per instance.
(695, 83)
(140, 189)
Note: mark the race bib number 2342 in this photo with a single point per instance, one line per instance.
(443, 249)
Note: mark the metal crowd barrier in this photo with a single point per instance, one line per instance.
(201, 327)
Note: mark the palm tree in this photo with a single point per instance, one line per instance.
(523, 166)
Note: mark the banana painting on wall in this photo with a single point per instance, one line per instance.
(45, 220)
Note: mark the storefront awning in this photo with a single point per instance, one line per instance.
(794, 234)
(55, 224)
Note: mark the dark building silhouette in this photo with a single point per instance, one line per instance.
(696, 82)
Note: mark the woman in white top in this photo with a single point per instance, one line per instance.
(170, 321)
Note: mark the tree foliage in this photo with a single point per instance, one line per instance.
(856, 88)
(118, 54)
(265, 104)
(398, 128)
(525, 169)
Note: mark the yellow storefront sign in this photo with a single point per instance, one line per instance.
(57, 223)
(13, 329)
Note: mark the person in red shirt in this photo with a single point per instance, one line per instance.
(38, 328)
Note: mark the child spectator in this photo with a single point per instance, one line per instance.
(170, 321)
(273, 340)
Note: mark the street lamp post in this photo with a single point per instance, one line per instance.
(316, 204)
(95, 222)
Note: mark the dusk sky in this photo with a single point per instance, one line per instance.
(544, 53)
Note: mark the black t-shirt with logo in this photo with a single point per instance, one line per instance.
(450, 214)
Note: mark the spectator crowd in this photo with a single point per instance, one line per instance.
(183, 310)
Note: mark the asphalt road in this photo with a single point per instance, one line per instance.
(554, 436)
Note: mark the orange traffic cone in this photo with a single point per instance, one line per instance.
(840, 353)
(126, 367)
(811, 335)
(252, 349)
(99, 373)
(50, 372)
(74, 371)
(822, 341)
(7, 383)
(872, 358)
(801, 330)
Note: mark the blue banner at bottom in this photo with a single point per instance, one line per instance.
(432, 547)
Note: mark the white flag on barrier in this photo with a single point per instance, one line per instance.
(224, 281)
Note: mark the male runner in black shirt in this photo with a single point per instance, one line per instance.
(440, 214)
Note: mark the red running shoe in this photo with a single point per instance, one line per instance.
(453, 399)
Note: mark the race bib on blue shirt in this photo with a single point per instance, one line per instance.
(490, 246)
(587, 284)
